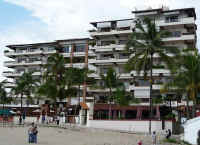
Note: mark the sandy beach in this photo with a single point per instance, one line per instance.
(78, 136)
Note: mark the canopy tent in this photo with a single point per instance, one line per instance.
(5, 112)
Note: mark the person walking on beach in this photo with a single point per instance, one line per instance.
(35, 132)
(30, 133)
(154, 138)
(168, 134)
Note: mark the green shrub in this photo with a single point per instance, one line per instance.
(171, 140)
(185, 143)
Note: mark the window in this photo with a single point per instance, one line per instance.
(121, 42)
(66, 49)
(103, 70)
(104, 43)
(51, 48)
(21, 59)
(79, 48)
(32, 59)
(170, 19)
(176, 34)
(123, 56)
(106, 56)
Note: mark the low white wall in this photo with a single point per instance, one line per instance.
(135, 126)
(191, 128)
(27, 120)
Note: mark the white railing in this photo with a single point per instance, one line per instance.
(187, 20)
(15, 63)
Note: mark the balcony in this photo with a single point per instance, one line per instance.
(181, 21)
(9, 85)
(17, 74)
(76, 65)
(13, 53)
(12, 74)
(23, 63)
(156, 72)
(36, 52)
(183, 37)
(106, 60)
(49, 52)
(108, 48)
(111, 32)
(144, 91)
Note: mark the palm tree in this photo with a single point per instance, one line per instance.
(110, 80)
(121, 97)
(146, 42)
(59, 81)
(4, 99)
(25, 85)
(187, 80)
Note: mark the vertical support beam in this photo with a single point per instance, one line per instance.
(114, 114)
(123, 113)
(86, 66)
(158, 112)
(71, 65)
(72, 55)
(139, 112)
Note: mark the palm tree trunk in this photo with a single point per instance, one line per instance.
(150, 98)
(194, 109)
(3, 113)
(110, 111)
(20, 119)
(187, 107)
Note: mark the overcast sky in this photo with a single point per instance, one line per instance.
(32, 21)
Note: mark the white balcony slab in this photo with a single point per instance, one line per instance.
(17, 74)
(111, 47)
(181, 21)
(112, 32)
(156, 72)
(181, 38)
(14, 63)
(111, 60)
(12, 53)
(76, 65)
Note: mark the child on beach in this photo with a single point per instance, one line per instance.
(154, 138)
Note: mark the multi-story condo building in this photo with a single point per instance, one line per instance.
(111, 37)
(32, 58)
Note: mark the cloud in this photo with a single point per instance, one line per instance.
(67, 19)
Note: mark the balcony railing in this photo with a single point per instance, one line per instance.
(15, 63)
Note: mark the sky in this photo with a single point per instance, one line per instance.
(32, 21)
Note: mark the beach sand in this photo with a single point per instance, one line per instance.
(70, 136)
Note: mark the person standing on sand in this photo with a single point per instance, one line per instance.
(154, 138)
(35, 132)
(30, 133)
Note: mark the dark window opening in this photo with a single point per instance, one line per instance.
(171, 19)
(145, 114)
(131, 114)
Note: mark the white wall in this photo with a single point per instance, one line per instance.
(135, 126)
(27, 120)
(191, 128)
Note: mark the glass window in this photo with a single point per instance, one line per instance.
(79, 48)
(66, 49)
(176, 34)
(171, 19)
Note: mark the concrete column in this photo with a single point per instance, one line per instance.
(139, 113)
(123, 113)
(114, 114)
(157, 112)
